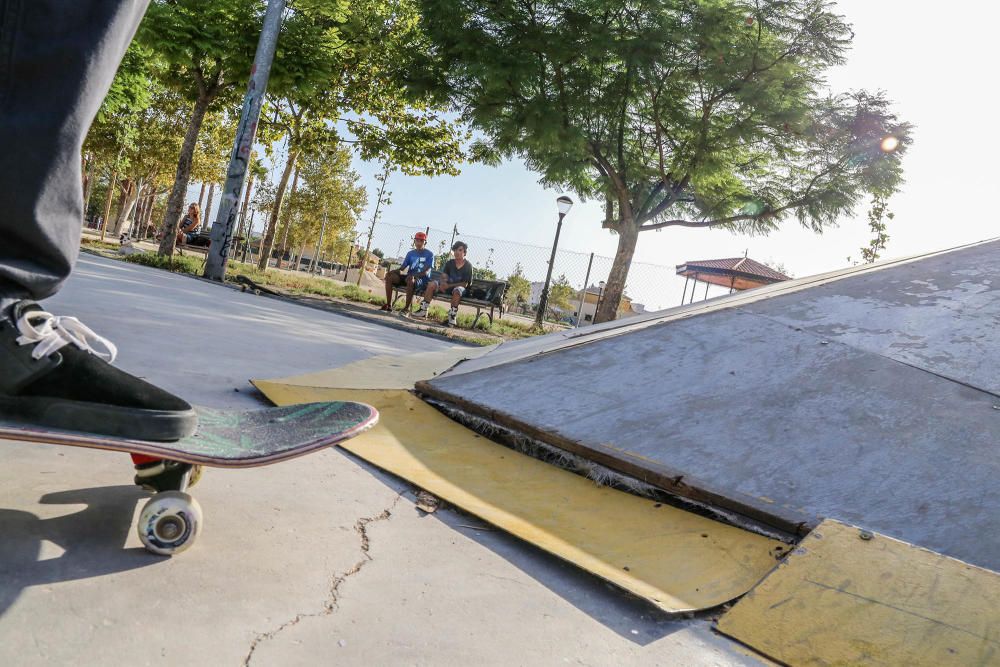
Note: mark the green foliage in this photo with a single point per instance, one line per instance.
(560, 301)
(878, 215)
(675, 112)
(518, 288)
(177, 263)
(207, 47)
(328, 203)
(482, 273)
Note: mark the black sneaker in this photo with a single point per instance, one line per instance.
(53, 376)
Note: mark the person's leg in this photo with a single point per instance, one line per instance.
(456, 296)
(411, 284)
(57, 60)
(391, 280)
(428, 295)
(432, 288)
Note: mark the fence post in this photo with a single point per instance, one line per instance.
(583, 296)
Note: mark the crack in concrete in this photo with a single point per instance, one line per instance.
(331, 603)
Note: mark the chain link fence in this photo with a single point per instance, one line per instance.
(649, 286)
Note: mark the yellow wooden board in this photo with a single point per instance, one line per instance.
(841, 599)
(389, 371)
(677, 560)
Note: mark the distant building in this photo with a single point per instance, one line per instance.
(591, 298)
(735, 273)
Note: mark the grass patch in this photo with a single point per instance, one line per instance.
(507, 329)
(317, 286)
(178, 263)
(94, 244)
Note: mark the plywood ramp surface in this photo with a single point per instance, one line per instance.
(849, 597)
(389, 371)
(676, 560)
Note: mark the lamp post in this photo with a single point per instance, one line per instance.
(564, 204)
(600, 294)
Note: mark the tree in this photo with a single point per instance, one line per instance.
(561, 295)
(208, 49)
(328, 203)
(346, 81)
(518, 288)
(673, 112)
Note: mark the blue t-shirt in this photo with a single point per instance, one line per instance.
(418, 262)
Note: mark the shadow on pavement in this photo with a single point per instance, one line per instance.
(91, 540)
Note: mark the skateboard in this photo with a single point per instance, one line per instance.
(171, 520)
(246, 283)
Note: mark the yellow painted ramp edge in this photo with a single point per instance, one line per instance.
(388, 371)
(676, 560)
(850, 597)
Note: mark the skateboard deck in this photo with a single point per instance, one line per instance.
(172, 519)
(227, 438)
(256, 288)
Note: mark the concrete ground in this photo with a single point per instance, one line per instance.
(320, 559)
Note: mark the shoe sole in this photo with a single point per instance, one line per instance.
(107, 420)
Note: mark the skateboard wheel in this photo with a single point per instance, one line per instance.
(169, 523)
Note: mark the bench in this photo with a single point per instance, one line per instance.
(481, 295)
(200, 243)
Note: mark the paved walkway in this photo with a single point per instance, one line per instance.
(321, 559)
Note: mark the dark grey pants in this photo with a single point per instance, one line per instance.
(57, 61)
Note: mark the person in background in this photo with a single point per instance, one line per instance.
(186, 231)
(414, 273)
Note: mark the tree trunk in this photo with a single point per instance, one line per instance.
(144, 233)
(298, 259)
(267, 246)
(140, 213)
(88, 186)
(175, 204)
(288, 222)
(201, 198)
(628, 235)
(112, 184)
(243, 211)
(130, 195)
(206, 214)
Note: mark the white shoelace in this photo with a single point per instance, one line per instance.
(51, 333)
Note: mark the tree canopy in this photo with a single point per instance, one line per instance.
(695, 113)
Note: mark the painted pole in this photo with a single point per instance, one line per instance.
(548, 277)
(246, 131)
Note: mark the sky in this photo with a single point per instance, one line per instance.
(935, 65)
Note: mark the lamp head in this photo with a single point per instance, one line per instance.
(564, 204)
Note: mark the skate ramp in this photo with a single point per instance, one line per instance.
(847, 596)
(676, 560)
(868, 396)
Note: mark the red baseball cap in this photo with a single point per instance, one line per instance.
(420, 235)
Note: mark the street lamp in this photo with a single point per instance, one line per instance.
(564, 204)
(600, 294)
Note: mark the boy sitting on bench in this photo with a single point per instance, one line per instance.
(414, 273)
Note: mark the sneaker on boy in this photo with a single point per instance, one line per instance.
(57, 373)
(422, 310)
(452, 317)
